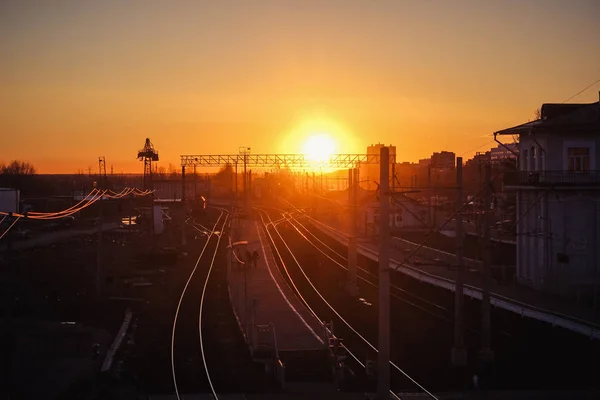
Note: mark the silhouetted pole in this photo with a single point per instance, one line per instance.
(459, 352)
(249, 182)
(130, 209)
(486, 328)
(307, 183)
(195, 184)
(431, 212)
(355, 202)
(245, 185)
(383, 367)
(150, 186)
(351, 285)
(321, 183)
(393, 177)
(183, 201)
(246, 266)
(99, 249)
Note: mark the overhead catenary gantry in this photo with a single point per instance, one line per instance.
(280, 160)
(352, 162)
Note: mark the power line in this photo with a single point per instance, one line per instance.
(583, 90)
(477, 148)
(32, 213)
(95, 196)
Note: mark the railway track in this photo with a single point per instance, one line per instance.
(208, 353)
(434, 309)
(527, 351)
(189, 369)
(359, 348)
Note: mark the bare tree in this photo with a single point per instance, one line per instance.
(17, 167)
(17, 174)
(538, 114)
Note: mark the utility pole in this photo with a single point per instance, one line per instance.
(247, 325)
(99, 248)
(431, 212)
(195, 184)
(355, 202)
(152, 222)
(245, 150)
(130, 209)
(459, 352)
(183, 201)
(236, 182)
(351, 285)
(479, 222)
(394, 177)
(245, 184)
(486, 354)
(383, 367)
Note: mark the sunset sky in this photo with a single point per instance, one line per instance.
(82, 79)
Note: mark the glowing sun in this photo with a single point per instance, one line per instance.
(319, 147)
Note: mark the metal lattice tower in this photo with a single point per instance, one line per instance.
(148, 155)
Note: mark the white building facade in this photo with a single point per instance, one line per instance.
(558, 199)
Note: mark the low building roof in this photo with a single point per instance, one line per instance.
(579, 118)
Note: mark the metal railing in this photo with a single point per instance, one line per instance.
(552, 178)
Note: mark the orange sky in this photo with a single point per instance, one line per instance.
(82, 79)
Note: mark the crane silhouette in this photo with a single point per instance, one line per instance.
(148, 154)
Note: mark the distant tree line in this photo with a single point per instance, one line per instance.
(17, 174)
(17, 167)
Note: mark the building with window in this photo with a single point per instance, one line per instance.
(558, 199)
(479, 159)
(501, 153)
(443, 160)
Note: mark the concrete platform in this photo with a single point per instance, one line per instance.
(517, 299)
(266, 307)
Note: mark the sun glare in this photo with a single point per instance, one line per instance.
(319, 147)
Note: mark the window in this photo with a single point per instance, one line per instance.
(578, 158)
(525, 160)
(533, 166)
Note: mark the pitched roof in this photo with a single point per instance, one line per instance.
(555, 117)
(519, 129)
